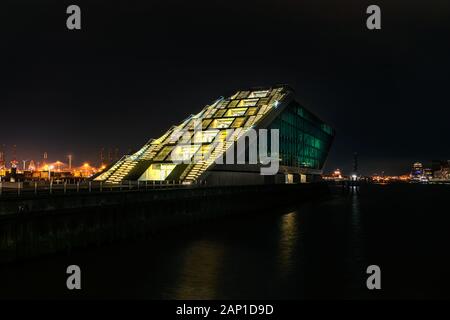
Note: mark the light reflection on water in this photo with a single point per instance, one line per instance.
(254, 257)
(287, 243)
(200, 270)
(356, 260)
(356, 230)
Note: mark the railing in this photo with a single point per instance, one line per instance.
(30, 188)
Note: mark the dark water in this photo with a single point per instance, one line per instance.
(319, 250)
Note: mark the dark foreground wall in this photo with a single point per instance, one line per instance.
(35, 226)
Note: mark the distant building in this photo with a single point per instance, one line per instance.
(32, 166)
(336, 175)
(441, 170)
(417, 171)
(428, 173)
(2, 161)
(304, 142)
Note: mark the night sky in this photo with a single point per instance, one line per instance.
(138, 67)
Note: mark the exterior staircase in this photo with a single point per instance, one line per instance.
(126, 164)
(195, 170)
(122, 170)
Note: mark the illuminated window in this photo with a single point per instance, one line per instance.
(289, 178)
(221, 123)
(263, 101)
(158, 171)
(259, 94)
(243, 94)
(239, 122)
(209, 113)
(193, 122)
(163, 154)
(233, 104)
(205, 136)
(222, 104)
(183, 153)
(236, 112)
(205, 123)
(219, 113)
(251, 111)
(248, 102)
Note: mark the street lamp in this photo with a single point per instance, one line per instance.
(70, 162)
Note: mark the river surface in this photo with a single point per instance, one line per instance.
(320, 250)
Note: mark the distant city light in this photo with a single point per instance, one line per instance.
(46, 170)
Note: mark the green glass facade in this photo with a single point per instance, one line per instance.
(304, 139)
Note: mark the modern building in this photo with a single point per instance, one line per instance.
(205, 146)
